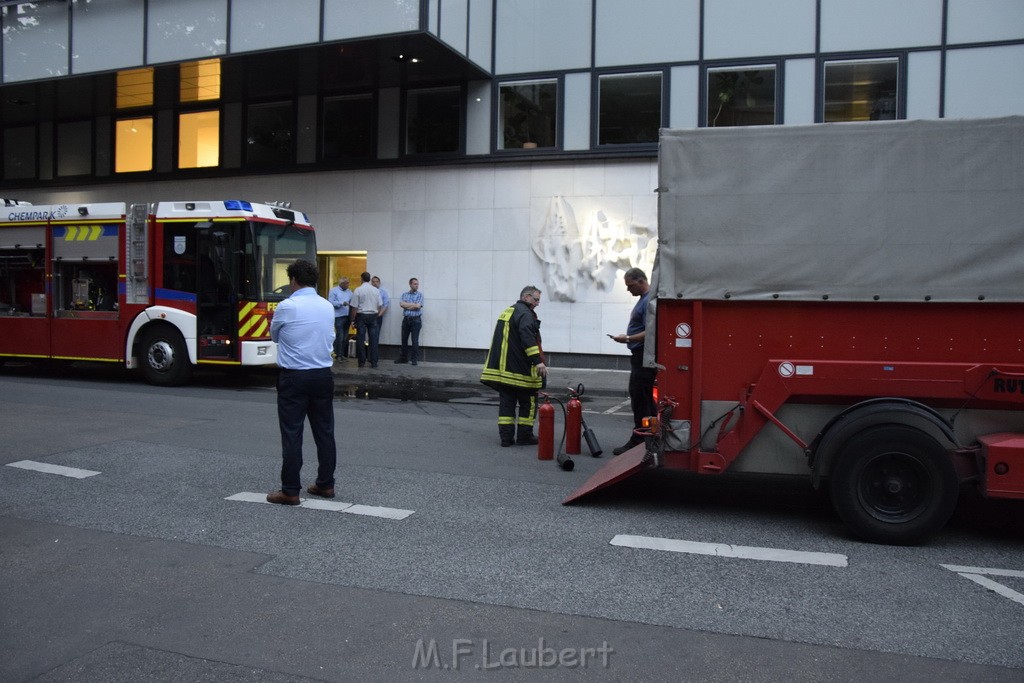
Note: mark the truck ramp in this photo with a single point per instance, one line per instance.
(621, 467)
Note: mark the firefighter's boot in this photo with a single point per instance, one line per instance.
(507, 433)
(525, 436)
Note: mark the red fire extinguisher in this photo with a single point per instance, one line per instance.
(546, 430)
(573, 423)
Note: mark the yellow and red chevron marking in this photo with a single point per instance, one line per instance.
(253, 321)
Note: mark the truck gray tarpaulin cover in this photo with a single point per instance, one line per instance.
(900, 210)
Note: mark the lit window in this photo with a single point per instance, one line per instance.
(862, 90)
(527, 113)
(743, 96)
(134, 145)
(630, 108)
(432, 121)
(135, 88)
(199, 139)
(199, 81)
(348, 127)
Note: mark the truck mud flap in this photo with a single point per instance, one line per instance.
(622, 467)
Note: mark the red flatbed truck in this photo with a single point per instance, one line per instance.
(842, 301)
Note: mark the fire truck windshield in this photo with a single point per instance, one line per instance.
(273, 248)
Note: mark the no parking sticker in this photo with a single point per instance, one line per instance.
(683, 336)
(787, 369)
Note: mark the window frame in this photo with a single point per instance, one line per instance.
(595, 107)
(152, 142)
(900, 58)
(460, 145)
(558, 80)
(705, 87)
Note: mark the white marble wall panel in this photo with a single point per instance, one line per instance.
(371, 230)
(551, 180)
(408, 230)
(334, 230)
(507, 273)
(556, 324)
(588, 179)
(439, 318)
(475, 322)
(373, 190)
(476, 230)
(476, 188)
(441, 230)
(442, 189)
(512, 187)
(511, 229)
(333, 192)
(409, 191)
(474, 275)
(585, 332)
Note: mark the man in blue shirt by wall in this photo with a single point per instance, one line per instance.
(411, 303)
(303, 327)
(641, 379)
(340, 296)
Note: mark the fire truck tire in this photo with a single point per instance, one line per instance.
(163, 357)
(894, 484)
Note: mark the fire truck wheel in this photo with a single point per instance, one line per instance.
(894, 484)
(164, 358)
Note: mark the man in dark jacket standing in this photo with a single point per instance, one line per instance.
(515, 367)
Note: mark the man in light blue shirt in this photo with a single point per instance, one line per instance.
(340, 296)
(303, 327)
(385, 303)
(411, 303)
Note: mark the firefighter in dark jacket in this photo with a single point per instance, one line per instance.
(515, 367)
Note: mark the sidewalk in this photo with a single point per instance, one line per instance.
(439, 381)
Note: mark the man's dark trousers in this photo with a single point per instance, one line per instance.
(302, 394)
(411, 326)
(366, 330)
(341, 325)
(641, 388)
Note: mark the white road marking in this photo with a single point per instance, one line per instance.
(615, 408)
(72, 472)
(330, 505)
(975, 574)
(993, 586)
(982, 570)
(724, 550)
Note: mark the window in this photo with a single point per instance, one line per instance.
(270, 134)
(861, 90)
(629, 108)
(74, 148)
(527, 111)
(433, 121)
(20, 152)
(199, 81)
(743, 96)
(134, 145)
(199, 139)
(135, 88)
(348, 127)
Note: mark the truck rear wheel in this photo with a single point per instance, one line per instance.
(164, 358)
(894, 484)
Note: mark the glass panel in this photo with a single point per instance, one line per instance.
(74, 148)
(185, 29)
(348, 127)
(861, 90)
(360, 18)
(135, 88)
(35, 40)
(106, 35)
(741, 97)
(270, 136)
(200, 80)
(199, 139)
(433, 121)
(630, 109)
(273, 248)
(526, 114)
(20, 152)
(133, 145)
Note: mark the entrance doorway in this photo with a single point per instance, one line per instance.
(333, 265)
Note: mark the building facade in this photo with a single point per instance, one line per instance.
(477, 145)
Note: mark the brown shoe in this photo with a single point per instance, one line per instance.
(321, 491)
(282, 498)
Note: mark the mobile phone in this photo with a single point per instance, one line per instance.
(610, 336)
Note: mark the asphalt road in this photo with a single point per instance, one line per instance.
(146, 571)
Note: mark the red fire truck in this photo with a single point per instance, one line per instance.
(159, 287)
(841, 301)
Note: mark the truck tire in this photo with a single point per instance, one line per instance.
(163, 357)
(894, 484)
